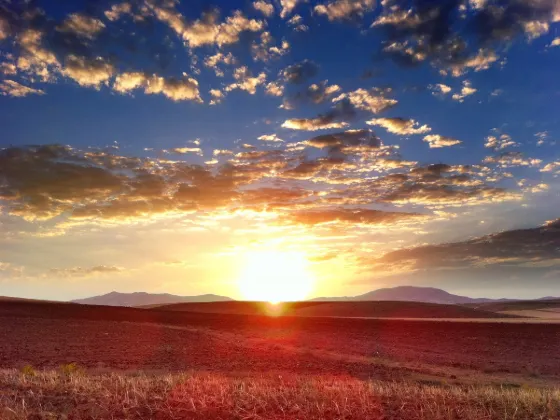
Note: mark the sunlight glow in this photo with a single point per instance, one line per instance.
(275, 276)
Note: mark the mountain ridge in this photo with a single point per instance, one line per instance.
(144, 298)
(398, 293)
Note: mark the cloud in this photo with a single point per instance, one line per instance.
(552, 167)
(332, 119)
(500, 142)
(350, 216)
(83, 271)
(183, 89)
(88, 72)
(264, 7)
(436, 141)
(555, 42)
(82, 26)
(346, 139)
(512, 159)
(266, 51)
(300, 72)
(12, 88)
(274, 89)
(217, 96)
(206, 30)
(401, 126)
(212, 62)
(246, 81)
(296, 22)
(118, 10)
(457, 41)
(466, 90)
(287, 7)
(374, 100)
(315, 93)
(186, 150)
(345, 9)
(514, 248)
(270, 137)
(440, 89)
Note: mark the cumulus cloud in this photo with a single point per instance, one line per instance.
(455, 41)
(512, 159)
(217, 96)
(436, 141)
(274, 89)
(296, 22)
(466, 90)
(345, 9)
(82, 25)
(183, 89)
(88, 72)
(212, 62)
(207, 30)
(400, 126)
(270, 137)
(440, 89)
(300, 72)
(335, 118)
(287, 7)
(12, 88)
(500, 142)
(315, 93)
(553, 167)
(264, 50)
(374, 100)
(246, 81)
(264, 7)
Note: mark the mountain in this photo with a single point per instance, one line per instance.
(413, 294)
(143, 298)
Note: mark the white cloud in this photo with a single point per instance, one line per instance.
(436, 141)
(88, 72)
(373, 99)
(466, 90)
(246, 81)
(270, 137)
(400, 126)
(264, 7)
(183, 89)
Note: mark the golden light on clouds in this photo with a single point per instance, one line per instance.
(275, 276)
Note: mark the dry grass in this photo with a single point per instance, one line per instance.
(58, 394)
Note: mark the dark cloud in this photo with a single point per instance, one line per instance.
(458, 37)
(316, 93)
(300, 72)
(337, 117)
(536, 247)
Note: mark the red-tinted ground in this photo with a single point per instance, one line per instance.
(47, 335)
(381, 309)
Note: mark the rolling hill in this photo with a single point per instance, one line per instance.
(144, 299)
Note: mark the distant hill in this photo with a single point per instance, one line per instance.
(143, 299)
(412, 294)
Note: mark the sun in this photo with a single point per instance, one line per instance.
(275, 276)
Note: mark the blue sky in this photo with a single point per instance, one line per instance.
(131, 156)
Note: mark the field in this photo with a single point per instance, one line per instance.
(244, 366)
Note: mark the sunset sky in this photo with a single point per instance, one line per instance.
(160, 146)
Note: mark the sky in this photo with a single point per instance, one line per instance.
(279, 149)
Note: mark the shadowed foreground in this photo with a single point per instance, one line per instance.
(54, 394)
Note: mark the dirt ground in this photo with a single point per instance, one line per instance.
(46, 336)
